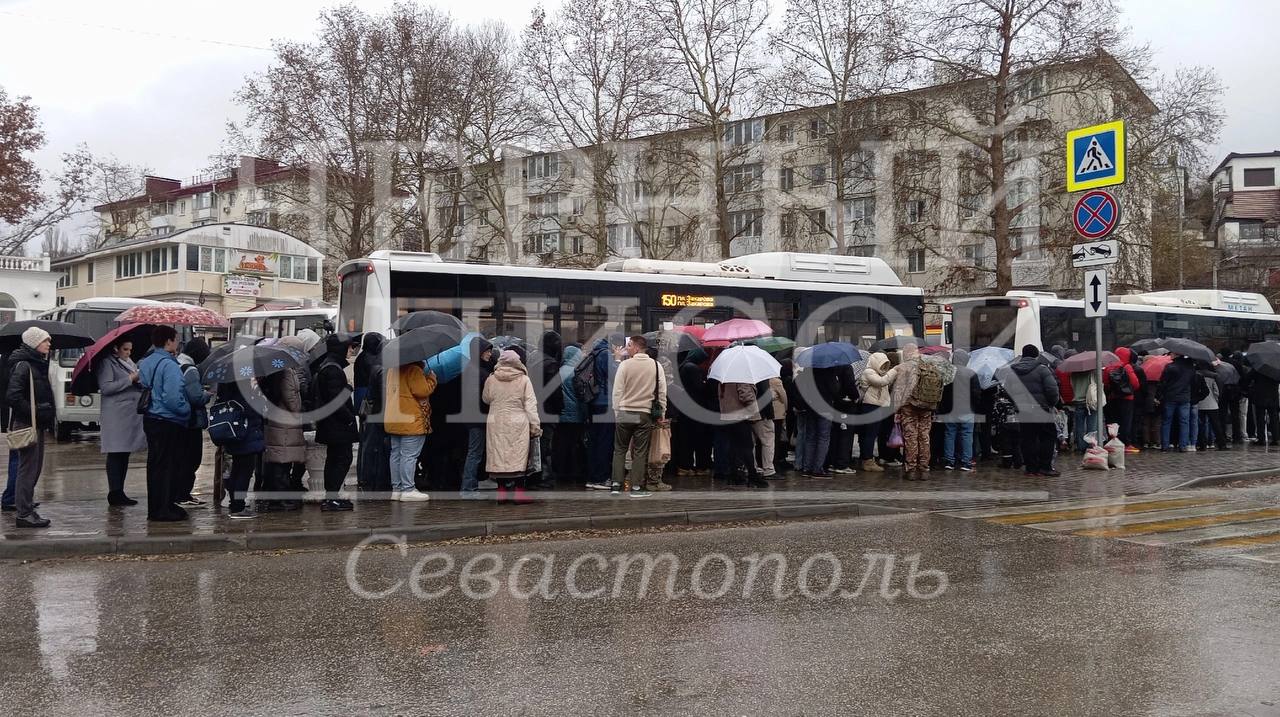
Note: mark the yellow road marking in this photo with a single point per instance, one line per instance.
(1101, 511)
(1166, 526)
(1245, 541)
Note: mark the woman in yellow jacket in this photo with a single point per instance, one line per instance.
(408, 421)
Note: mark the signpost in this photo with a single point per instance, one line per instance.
(1095, 158)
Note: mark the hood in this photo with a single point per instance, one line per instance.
(910, 351)
(372, 344)
(1058, 350)
(509, 367)
(1024, 365)
(26, 353)
(878, 361)
(336, 347)
(551, 344)
(309, 339)
(960, 358)
(1125, 354)
(571, 354)
(185, 360)
(292, 342)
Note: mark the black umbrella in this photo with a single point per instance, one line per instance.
(423, 319)
(1264, 357)
(671, 341)
(895, 343)
(1146, 346)
(1191, 349)
(256, 361)
(62, 335)
(225, 349)
(420, 344)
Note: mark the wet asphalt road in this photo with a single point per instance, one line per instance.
(1030, 623)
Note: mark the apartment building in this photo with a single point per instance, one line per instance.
(1245, 229)
(895, 183)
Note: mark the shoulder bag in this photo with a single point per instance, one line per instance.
(655, 407)
(24, 437)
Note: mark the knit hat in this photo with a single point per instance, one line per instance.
(1030, 351)
(34, 336)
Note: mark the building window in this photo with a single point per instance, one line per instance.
(786, 133)
(579, 206)
(787, 179)
(623, 237)
(202, 201)
(541, 166)
(787, 225)
(545, 205)
(817, 129)
(1257, 232)
(1022, 193)
(67, 277)
(915, 261)
(629, 193)
(817, 221)
(817, 174)
(160, 260)
(128, 265)
(746, 223)
(1260, 177)
(860, 210)
(231, 199)
(293, 267)
(863, 250)
(744, 132)
(542, 243)
(88, 270)
(212, 260)
(1026, 247)
(974, 255)
(743, 177)
(916, 211)
(575, 243)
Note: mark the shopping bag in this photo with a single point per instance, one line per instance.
(895, 436)
(660, 444)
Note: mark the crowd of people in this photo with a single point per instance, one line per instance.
(618, 415)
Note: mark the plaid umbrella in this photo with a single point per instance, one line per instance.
(173, 314)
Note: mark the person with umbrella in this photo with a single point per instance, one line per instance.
(690, 436)
(29, 397)
(597, 379)
(165, 422)
(484, 360)
(122, 434)
(407, 421)
(336, 429)
(738, 370)
(1175, 396)
(956, 411)
(1229, 401)
(1262, 387)
(1122, 386)
(373, 462)
(1034, 389)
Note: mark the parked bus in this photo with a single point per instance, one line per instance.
(635, 296)
(1221, 320)
(274, 324)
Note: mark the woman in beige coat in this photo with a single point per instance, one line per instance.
(511, 423)
(875, 386)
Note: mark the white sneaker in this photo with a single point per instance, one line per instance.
(411, 496)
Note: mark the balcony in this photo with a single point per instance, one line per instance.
(205, 214)
(24, 263)
(161, 220)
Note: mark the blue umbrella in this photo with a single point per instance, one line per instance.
(832, 353)
(986, 360)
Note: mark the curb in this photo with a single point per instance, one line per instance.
(141, 545)
(1203, 481)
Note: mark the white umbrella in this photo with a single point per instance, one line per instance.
(744, 364)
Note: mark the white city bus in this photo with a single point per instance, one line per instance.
(274, 324)
(96, 316)
(635, 295)
(1221, 320)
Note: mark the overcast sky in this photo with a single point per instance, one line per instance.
(151, 82)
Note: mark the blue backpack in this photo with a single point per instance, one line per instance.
(228, 423)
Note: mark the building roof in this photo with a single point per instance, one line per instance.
(1243, 155)
(208, 234)
(1261, 205)
(163, 189)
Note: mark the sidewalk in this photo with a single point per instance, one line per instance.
(73, 491)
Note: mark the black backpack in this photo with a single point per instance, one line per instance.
(1199, 388)
(1118, 382)
(585, 381)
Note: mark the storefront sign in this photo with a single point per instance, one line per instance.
(250, 262)
(233, 285)
(680, 301)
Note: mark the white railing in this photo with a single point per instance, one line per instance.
(24, 263)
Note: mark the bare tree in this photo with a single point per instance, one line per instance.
(27, 210)
(118, 188)
(598, 75)
(1011, 71)
(713, 65)
(837, 56)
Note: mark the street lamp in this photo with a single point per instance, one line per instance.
(1219, 263)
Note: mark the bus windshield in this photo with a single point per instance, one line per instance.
(351, 304)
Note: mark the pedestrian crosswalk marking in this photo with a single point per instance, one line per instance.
(1095, 159)
(1214, 524)
(1164, 526)
(1100, 511)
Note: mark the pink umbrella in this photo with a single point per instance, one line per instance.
(83, 379)
(173, 314)
(1154, 366)
(695, 331)
(735, 330)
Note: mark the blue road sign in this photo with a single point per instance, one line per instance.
(1095, 156)
(1097, 214)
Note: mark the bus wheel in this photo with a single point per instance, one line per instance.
(64, 431)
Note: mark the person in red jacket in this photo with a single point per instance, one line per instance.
(1122, 385)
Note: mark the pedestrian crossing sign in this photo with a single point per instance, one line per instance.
(1095, 156)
